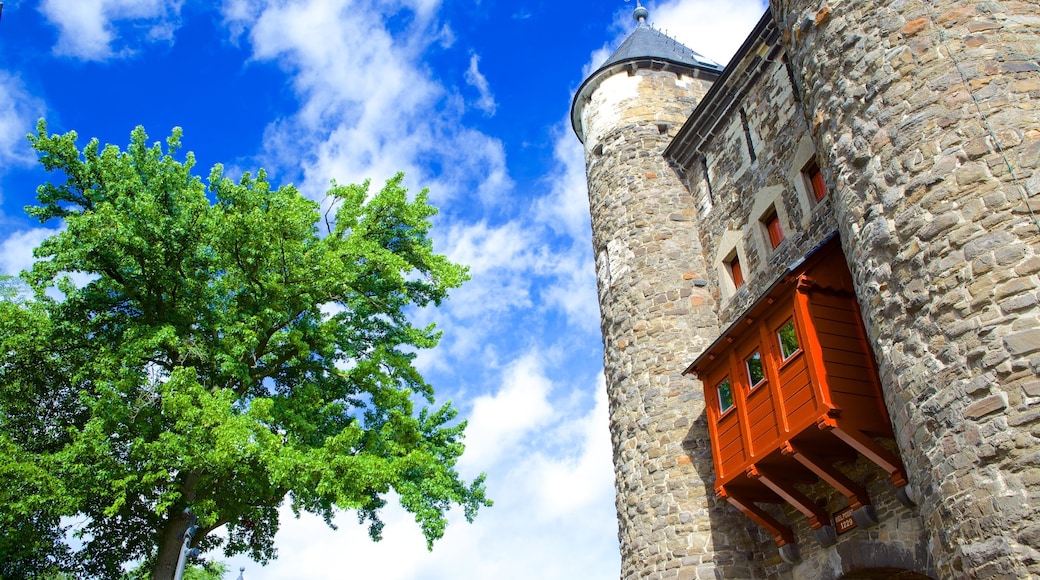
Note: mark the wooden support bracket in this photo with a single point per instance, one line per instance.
(817, 516)
(870, 449)
(805, 283)
(853, 492)
(781, 534)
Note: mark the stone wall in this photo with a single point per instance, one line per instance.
(756, 107)
(926, 118)
(746, 190)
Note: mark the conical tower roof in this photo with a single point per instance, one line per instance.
(648, 42)
(645, 47)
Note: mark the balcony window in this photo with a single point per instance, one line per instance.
(756, 374)
(822, 400)
(788, 340)
(725, 391)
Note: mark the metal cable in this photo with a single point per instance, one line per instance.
(1023, 189)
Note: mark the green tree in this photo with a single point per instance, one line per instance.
(234, 347)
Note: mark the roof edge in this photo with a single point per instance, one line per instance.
(784, 279)
(686, 137)
(590, 84)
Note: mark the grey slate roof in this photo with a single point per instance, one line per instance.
(647, 42)
(645, 47)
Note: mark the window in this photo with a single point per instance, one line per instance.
(747, 134)
(790, 77)
(730, 264)
(788, 340)
(707, 179)
(814, 178)
(736, 272)
(773, 229)
(756, 374)
(725, 391)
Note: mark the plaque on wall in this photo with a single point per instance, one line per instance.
(843, 521)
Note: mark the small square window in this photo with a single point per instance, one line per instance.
(788, 340)
(756, 374)
(736, 272)
(773, 229)
(725, 391)
(814, 177)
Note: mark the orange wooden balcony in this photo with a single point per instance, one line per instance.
(791, 389)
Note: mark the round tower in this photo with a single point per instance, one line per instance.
(657, 313)
(925, 118)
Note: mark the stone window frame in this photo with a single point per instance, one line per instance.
(767, 202)
(805, 155)
(731, 245)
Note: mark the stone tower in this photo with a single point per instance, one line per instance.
(654, 304)
(927, 114)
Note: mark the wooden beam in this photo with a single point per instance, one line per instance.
(810, 509)
(855, 494)
(781, 534)
(870, 449)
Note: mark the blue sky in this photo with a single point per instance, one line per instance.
(471, 100)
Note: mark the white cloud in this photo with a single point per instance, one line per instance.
(566, 207)
(447, 36)
(472, 154)
(475, 79)
(573, 289)
(518, 270)
(18, 113)
(486, 248)
(520, 264)
(707, 26)
(16, 254)
(16, 250)
(498, 422)
(89, 29)
(572, 482)
(598, 57)
(368, 107)
(502, 260)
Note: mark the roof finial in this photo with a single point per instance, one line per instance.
(640, 13)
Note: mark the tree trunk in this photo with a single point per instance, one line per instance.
(172, 539)
(170, 546)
